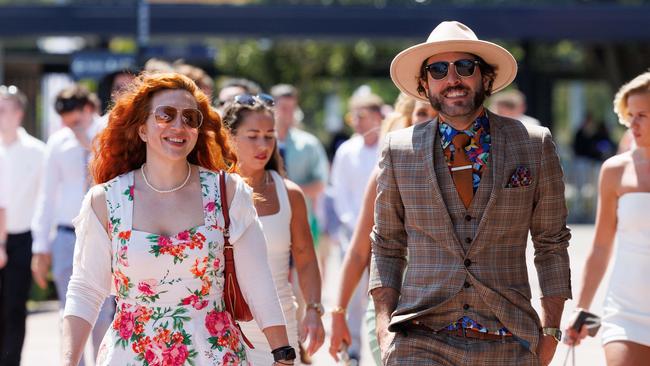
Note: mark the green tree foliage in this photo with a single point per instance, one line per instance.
(317, 67)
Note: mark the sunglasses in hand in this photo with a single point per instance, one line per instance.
(165, 114)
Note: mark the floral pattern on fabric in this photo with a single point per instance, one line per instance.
(478, 150)
(468, 323)
(168, 289)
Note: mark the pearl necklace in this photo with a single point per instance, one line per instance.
(187, 179)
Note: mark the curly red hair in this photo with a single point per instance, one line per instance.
(118, 149)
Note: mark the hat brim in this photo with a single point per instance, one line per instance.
(405, 68)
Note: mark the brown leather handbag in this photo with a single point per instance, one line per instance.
(235, 303)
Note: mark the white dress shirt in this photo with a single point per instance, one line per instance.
(4, 181)
(63, 186)
(23, 161)
(353, 163)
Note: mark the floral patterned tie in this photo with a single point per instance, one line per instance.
(461, 169)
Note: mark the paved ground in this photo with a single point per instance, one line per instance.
(42, 343)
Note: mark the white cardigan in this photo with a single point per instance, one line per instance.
(90, 282)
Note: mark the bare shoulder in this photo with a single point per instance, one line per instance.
(98, 203)
(611, 172)
(617, 163)
(295, 192)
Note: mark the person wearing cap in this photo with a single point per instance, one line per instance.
(457, 198)
(64, 183)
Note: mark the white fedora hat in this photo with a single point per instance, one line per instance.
(450, 36)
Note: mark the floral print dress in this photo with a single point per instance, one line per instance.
(168, 288)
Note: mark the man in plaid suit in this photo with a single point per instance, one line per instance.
(457, 197)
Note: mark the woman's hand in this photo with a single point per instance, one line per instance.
(340, 334)
(312, 328)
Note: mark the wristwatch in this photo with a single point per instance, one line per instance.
(320, 310)
(553, 332)
(284, 353)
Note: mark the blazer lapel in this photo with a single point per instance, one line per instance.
(426, 134)
(497, 159)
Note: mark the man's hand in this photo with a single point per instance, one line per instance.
(385, 338)
(312, 329)
(40, 268)
(546, 349)
(385, 299)
(3, 256)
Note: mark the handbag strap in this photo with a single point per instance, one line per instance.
(224, 210)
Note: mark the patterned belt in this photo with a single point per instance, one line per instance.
(460, 332)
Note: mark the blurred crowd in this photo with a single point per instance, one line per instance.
(327, 195)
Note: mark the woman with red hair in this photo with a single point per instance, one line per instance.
(152, 233)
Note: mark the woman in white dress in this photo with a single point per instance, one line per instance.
(622, 217)
(283, 213)
(152, 233)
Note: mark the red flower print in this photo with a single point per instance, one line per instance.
(143, 313)
(200, 305)
(230, 359)
(121, 256)
(210, 206)
(164, 242)
(124, 235)
(131, 189)
(178, 337)
(197, 270)
(185, 235)
(205, 289)
(175, 355)
(148, 287)
(154, 354)
(124, 322)
(141, 345)
(217, 323)
(195, 301)
(164, 335)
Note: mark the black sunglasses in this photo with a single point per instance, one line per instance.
(249, 99)
(464, 68)
(165, 114)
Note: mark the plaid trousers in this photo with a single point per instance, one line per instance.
(421, 348)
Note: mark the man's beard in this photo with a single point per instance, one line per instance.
(458, 110)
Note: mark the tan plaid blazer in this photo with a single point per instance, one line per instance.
(416, 223)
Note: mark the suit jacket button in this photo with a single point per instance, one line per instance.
(467, 284)
(468, 240)
(468, 218)
(466, 307)
(468, 262)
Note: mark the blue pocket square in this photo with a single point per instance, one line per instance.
(520, 178)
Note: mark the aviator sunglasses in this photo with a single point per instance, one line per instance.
(250, 100)
(464, 68)
(191, 117)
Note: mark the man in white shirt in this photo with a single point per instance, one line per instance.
(3, 213)
(66, 179)
(353, 164)
(22, 170)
